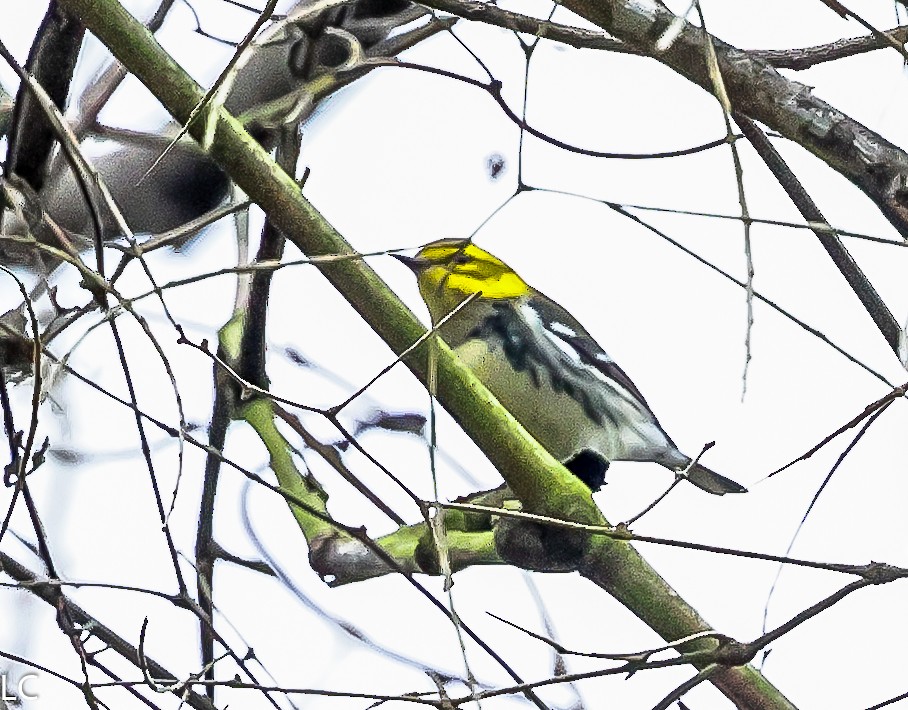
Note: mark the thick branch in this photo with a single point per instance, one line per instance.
(470, 542)
(797, 58)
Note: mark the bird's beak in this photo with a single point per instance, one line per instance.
(414, 263)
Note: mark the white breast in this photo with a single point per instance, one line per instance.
(559, 421)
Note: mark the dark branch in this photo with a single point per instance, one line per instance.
(51, 594)
(756, 89)
(51, 62)
(797, 58)
(840, 256)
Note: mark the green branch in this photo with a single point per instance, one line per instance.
(538, 480)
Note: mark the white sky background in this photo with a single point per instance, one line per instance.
(400, 159)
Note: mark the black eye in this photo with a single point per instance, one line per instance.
(460, 258)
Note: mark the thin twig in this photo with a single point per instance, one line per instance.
(840, 256)
(870, 409)
(715, 74)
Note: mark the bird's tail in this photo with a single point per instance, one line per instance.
(712, 482)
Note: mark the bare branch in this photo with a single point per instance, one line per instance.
(844, 262)
(756, 89)
(798, 58)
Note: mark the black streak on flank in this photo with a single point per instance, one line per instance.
(504, 327)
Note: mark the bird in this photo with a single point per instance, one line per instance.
(545, 368)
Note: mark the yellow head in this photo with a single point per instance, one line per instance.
(450, 270)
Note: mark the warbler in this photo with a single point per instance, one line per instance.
(545, 368)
